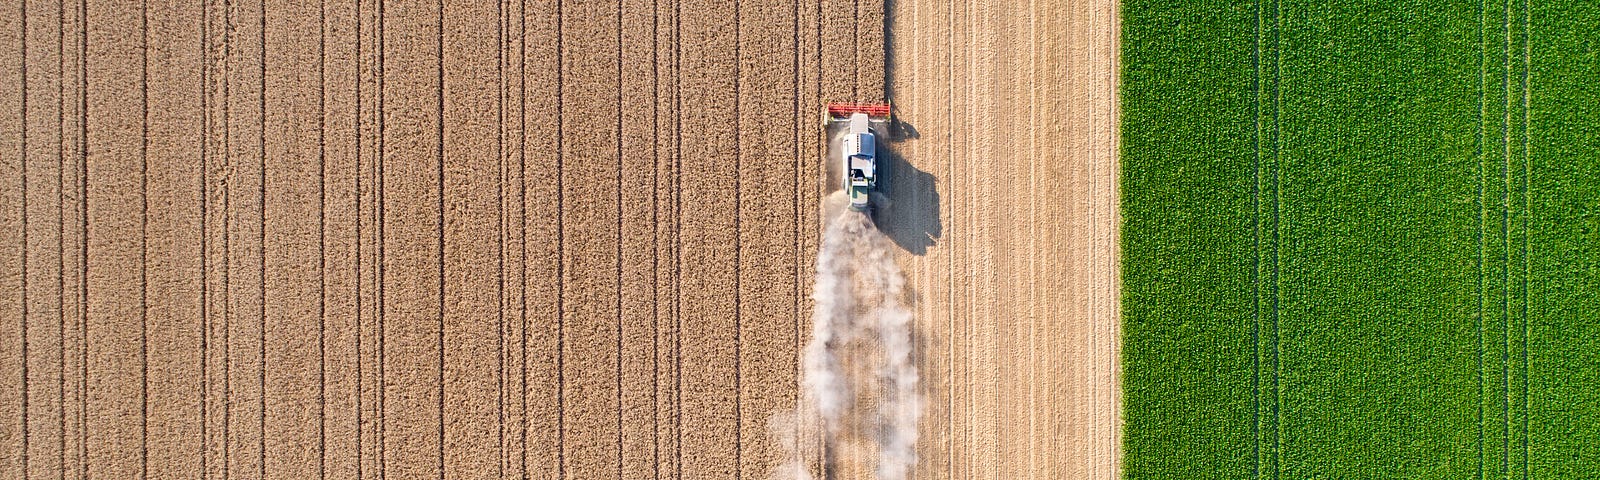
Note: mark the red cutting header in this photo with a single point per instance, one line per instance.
(871, 109)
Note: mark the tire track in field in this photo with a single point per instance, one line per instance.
(1504, 176)
(1268, 421)
(1518, 171)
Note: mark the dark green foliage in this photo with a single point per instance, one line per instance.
(1361, 239)
(1564, 241)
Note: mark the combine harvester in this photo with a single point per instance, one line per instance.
(852, 150)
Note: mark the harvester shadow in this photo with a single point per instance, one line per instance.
(910, 214)
(909, 211)
(899, 131)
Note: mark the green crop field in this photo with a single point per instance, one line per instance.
(1361, 239)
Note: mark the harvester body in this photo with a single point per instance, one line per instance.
(853, 156)
(861, 161)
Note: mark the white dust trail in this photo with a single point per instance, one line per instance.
(859, 379)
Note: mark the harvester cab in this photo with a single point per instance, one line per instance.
(854, 156)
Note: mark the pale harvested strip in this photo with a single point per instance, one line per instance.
(1004, 200)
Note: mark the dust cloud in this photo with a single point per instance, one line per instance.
(859, 401)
